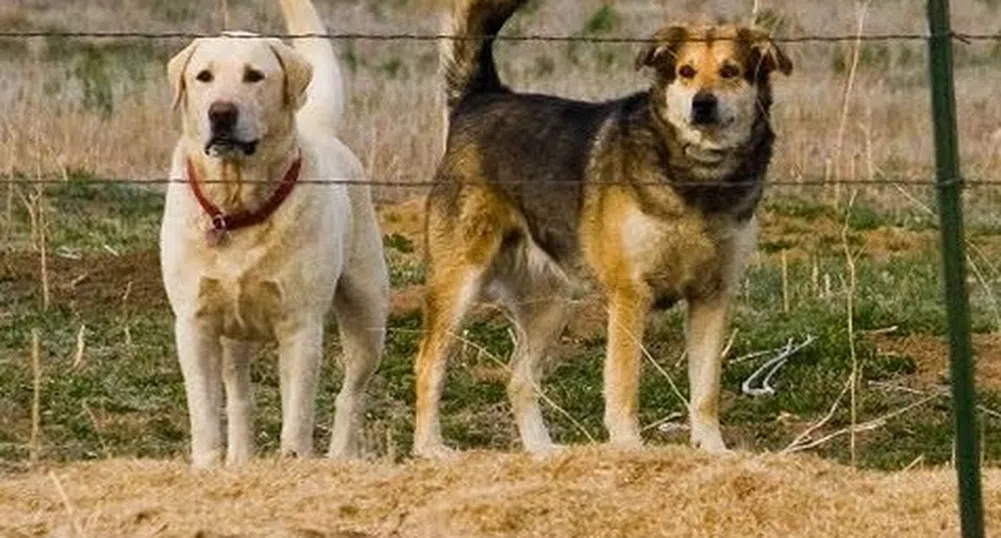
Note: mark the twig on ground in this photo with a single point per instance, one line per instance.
(663, 372)
(756, 354)
(942, 391)
(81, 345)
(873, 424)
(785, 283)
(9, 220)
(42, 240)
(917, 461)
(805, 434)
(36, 397)
(660, 422)
(542, 395)
(97, 429)
(729, 344)
(77, 528)
(850, 317)
(883, 330)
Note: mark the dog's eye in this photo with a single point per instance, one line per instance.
(204, 76)
(729, 71)
(253, 75)
(686, 71)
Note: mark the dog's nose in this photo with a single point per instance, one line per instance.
(223, 115)
(704, 108)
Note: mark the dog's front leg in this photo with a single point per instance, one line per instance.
(707, 318)
(628, 309)
(239, 407)
(300, 353)
(200, 355)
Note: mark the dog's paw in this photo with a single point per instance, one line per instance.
(547, 450)
(344, 453)
(711, 442)
(206, 460)
(626, 441)
(301, 453)
(434, 451)
(623, 431)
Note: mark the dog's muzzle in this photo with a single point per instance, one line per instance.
(705, 109)
(223, 117)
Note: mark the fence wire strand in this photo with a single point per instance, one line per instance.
(406, 182)
(967, 37)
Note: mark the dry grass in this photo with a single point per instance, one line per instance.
(585, 492)
(881, 130)
(394, 123)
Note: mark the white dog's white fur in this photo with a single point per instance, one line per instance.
(276, 280)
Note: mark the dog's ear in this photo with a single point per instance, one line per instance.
(176, 68)
(662, 49)
(298, 74)
(765, 56)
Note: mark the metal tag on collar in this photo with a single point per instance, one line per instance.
(217, 235)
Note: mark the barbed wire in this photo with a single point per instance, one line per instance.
(416, 183)
(407, 36)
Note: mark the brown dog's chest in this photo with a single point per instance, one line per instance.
(677, 258)
(678, 255)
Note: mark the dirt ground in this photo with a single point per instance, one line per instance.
(582, 492)
(931, 355)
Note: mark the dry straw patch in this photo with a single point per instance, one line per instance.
(584, 492)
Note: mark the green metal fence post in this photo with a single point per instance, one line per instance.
(943, 101)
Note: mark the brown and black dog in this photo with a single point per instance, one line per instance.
(651, 197)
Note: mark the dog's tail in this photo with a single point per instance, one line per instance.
(325, 105)
(468, 59)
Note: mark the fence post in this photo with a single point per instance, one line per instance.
(949, 187)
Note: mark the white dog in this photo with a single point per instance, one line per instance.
(257, 242)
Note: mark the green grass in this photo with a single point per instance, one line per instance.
(126, 398)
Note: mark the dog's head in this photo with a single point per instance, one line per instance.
(235, 90)
(711, 84)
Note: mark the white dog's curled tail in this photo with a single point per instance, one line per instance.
(325, 104)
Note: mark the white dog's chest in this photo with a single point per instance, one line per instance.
(245, 309)
(246, 296)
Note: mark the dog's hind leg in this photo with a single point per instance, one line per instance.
(299, 357)
(199, 352)
(706, 327)
(360, 305)
(236, 357)
(539, 321)
(450, 293)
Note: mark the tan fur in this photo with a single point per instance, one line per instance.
(635, 236)
(276, 280)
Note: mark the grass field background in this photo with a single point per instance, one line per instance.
(83, 110)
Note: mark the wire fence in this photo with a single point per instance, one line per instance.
(965, 37)
(949, 183)
(423, 183)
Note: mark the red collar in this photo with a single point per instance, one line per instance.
(222, 222)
